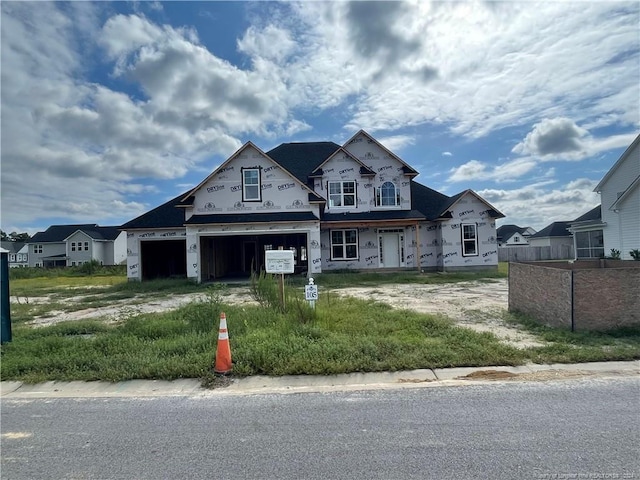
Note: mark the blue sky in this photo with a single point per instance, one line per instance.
(110, 109)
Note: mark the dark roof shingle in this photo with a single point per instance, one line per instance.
(300, 159)
(555, 229)
(166, 215)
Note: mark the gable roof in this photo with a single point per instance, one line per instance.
(621, 160)
(98, 233)
(187, 200)
(555, 229)
(12, 247)
(164, 216)
(594, 214)
(507, 231)
(493, 212)
(364, 170)
(406, 168)
(300, 159)
(59, 233)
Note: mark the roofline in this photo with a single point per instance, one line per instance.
(232, 157)
(360, 222)
(78, 230)
(146, 229)
(361, 131)
(615, 166)
(463, 193)
(581, 226)
(253, 223)
(333, 155)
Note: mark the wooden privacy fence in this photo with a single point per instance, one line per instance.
(584, 295)
(535, 254)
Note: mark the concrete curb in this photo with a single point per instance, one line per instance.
(309, 383)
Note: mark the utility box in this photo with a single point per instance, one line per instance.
(5, 308)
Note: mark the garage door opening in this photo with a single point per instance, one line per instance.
(163, 259)
(239, 255)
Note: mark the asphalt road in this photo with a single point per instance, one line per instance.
(559, 429)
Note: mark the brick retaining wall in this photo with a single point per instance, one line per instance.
(541, 292)
(584, 295)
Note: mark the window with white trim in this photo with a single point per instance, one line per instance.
(251, 185)
(469, 239)
(342, 194)
(387, 195)
(73, 246)
(86, 246)
(344, 244)
(37, 249)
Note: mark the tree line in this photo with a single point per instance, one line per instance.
(14, 236)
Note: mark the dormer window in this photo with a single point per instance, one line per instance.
(342, 194)
(387, 195)
(251, 185)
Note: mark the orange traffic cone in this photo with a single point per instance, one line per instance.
(223, 352)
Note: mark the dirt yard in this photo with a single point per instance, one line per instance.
(478, 305)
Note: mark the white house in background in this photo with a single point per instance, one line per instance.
(620, 195)
(353, 206)
(555, 234)
(73, 245)
(514, 236)
(18, 253)
(588, 237)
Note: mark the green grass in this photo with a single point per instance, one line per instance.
(575, 347)
(349, 335)
(349, 279)
(342, 335)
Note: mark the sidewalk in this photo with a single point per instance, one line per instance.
(318, 383)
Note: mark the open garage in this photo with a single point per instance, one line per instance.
(163, 259)
(236, 256)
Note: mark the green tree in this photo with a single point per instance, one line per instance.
(14, 236)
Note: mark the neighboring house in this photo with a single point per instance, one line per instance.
(620, 195)
(18, 253)
(71, 245)
(354, 206)
(554, 235)
(514, 236)
(588, 238)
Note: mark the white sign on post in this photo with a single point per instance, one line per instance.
(311, 292)
(279, 261)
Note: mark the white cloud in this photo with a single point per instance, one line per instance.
(472, 68)
(555, 137)
(503, 64)
(396, 143)
(81, 141)
(271, 43)
(537, 206)
(561, 139)
(476, 170)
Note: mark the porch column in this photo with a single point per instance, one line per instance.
(418, 246)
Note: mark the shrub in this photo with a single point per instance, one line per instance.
(615, 254)
(635, 254)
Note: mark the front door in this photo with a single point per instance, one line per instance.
(389, 250)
